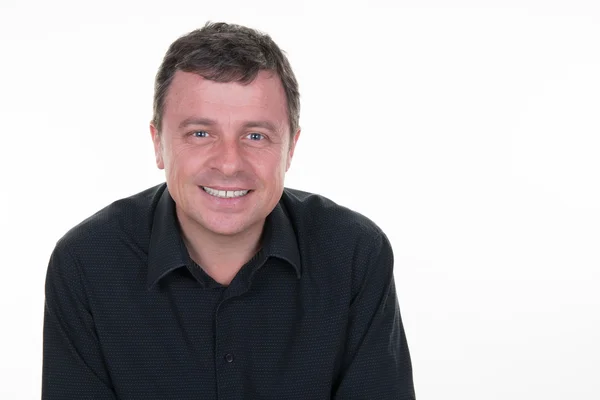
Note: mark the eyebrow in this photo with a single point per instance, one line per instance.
(261, 124)
(196, 121)
(211, 122)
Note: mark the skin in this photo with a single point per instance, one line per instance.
(225, 136)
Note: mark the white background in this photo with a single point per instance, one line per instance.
(468, 130)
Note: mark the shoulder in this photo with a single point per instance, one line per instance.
(333, 235)
(126, 221)
(316, 214)
(337, 245)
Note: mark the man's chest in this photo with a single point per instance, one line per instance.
(278, 338)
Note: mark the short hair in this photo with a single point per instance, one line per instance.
(224, 52)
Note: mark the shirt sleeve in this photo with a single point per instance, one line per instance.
(376, 363)
(73, 366)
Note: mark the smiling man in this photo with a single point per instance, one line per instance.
(225, 147)
(221, 283)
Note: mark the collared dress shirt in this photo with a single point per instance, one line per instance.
(313, 315)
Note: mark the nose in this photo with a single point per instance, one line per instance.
(228, 157)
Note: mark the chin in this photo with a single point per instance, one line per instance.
(226, 226)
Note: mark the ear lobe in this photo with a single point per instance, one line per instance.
(158, 148)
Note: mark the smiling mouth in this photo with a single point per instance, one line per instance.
(225, 194)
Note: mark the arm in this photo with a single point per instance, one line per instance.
(73, 366)
(376, 363)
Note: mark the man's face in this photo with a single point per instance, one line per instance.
(225, 148)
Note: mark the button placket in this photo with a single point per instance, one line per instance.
(225, 350)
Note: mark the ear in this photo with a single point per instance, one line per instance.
(158, 148)
(291, 150)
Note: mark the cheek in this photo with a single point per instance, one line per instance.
(269, 162)
(182, 162)
(272, 169)
(180, 168)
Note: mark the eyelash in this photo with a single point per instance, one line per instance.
(263, 136)
(256, 133)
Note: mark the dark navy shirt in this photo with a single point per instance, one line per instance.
(313, 315)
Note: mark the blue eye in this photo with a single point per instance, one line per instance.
(256, 136)
(200, 134)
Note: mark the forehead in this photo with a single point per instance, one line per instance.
(191, 95)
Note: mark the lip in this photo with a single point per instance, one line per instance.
(225, 203)
(225, 188)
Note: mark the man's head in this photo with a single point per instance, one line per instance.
(225, 125)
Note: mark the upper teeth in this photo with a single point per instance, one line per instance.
(225, 193)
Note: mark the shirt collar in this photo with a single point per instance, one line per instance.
(167, 250)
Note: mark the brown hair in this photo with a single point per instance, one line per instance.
(225, 53)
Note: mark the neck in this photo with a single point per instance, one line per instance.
(220, 256)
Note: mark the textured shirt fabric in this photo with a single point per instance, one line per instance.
(313, 315)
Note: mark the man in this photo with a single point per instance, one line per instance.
(221, 284)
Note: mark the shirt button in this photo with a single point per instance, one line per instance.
(229, 357)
